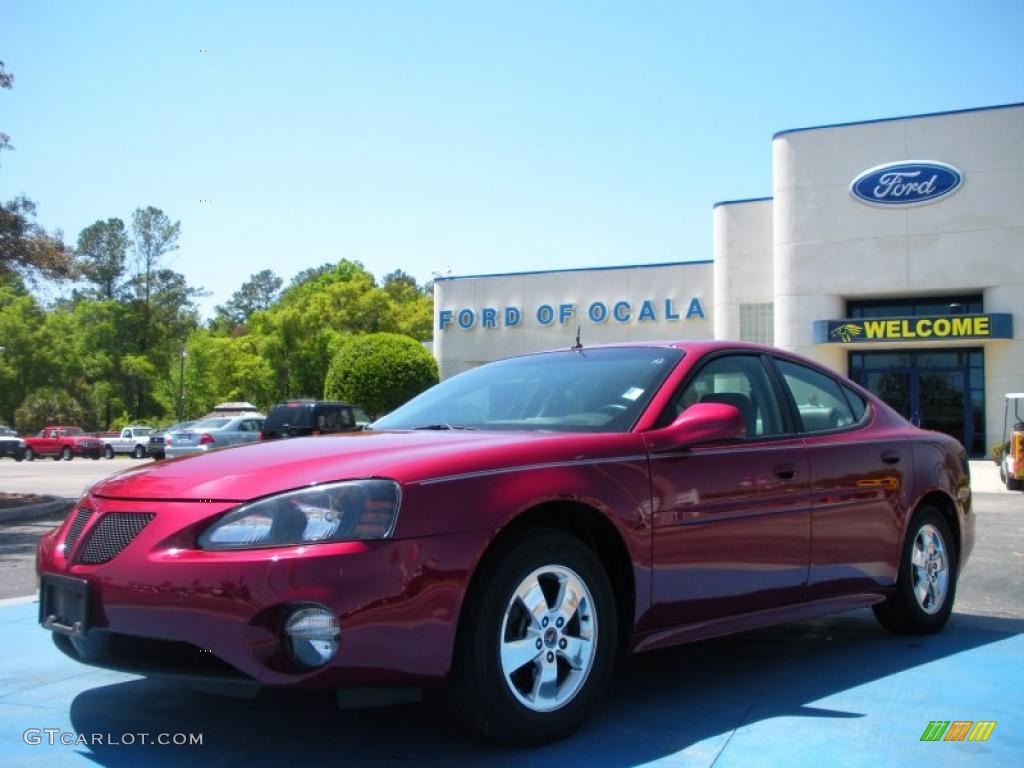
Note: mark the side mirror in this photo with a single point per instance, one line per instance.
(699, 424)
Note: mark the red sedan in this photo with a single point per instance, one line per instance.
(501, 537)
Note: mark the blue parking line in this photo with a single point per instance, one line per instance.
(837, 692)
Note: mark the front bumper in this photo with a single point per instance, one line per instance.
(221, 613)
(14, 451)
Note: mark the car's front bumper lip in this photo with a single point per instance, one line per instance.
(397, 600)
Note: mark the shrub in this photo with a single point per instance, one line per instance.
(379, 371)
(48, 405)
(997, 452)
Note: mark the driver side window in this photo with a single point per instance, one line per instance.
(740, 381)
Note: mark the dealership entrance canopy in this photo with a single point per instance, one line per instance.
(891, 250)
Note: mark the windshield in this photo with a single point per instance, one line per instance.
(289, 415)
(210, 424)
(598, 390)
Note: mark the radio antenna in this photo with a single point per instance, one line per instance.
(579, 344)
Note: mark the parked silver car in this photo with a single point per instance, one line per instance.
(218, 432)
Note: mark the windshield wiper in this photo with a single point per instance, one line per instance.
(444, 426)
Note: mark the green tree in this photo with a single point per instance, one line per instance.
(26, 248)
(256, 294)
(155, 236)
(103, 257)
(23, 361)
(380, 371)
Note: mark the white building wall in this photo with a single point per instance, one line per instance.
(829, 247)
(457, 349)
(743, 270)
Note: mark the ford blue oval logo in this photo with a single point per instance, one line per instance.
(908, 183)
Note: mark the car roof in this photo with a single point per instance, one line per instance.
(311, 402)
(694, 346)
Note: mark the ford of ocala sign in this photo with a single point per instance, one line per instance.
(912, 182)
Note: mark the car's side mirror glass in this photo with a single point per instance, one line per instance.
(700, 424)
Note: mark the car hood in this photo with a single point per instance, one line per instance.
(259, 469)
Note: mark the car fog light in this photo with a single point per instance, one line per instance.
(311, 636)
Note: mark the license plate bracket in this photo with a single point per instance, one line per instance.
(64, 604)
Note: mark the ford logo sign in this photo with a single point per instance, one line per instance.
(913, 182)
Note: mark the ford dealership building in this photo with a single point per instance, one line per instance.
(891, 250)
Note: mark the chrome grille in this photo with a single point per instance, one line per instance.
(112, 534)
(75, 529)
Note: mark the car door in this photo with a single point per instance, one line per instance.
(52, 442)
(731, 520)
(248, 431)
(860, 484)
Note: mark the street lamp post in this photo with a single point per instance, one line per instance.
(181, 385)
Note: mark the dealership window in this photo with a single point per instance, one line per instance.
(921, 305)
(941, 389)
(757, 323)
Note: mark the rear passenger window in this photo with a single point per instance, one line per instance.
(856, 403)
(819, 400)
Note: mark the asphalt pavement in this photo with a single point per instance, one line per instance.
(836, 691)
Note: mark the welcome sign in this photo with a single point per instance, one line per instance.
(930, 328)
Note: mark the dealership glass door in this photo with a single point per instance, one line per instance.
(942, 390)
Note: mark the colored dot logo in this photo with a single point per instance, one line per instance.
(205, 200)
(206, 50)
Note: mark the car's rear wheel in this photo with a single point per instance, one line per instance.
(108, 452)
(66, 453)
(536, 643)
(30, 455)
(926, 585)
(140, 452)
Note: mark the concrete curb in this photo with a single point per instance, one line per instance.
(30, 511)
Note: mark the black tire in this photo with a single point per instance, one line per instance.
(66, 453)
(139, 452)
(901, 612)
(108, 452)
(476, 692)
(30, 455)
(20, 456)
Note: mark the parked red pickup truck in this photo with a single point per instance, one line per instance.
(63, 443)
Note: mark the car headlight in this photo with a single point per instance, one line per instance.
(351, 510)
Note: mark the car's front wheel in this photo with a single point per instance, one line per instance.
(30, 455)
(108, 452)
(926, 586)
(537, 641)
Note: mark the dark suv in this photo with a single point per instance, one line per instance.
(297, 418)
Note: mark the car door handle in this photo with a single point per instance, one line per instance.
(786, 471)
(891, 456)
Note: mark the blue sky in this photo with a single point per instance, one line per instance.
(475, 137)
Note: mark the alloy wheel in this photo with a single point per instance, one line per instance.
(548, 638)
(930, 569)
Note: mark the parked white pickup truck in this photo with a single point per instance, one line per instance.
(131, 440)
